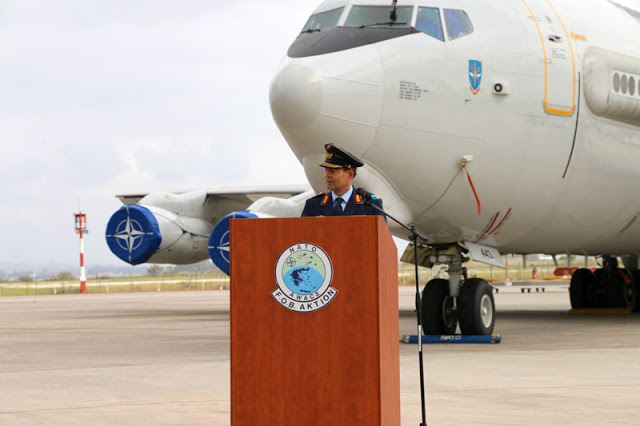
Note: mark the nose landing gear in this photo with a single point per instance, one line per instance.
(457, 300)
(474, 308)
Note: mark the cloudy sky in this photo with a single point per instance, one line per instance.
(99, 98)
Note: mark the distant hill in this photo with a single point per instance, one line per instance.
(10, 271)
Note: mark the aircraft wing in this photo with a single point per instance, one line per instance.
(237, 194)
(177, 226)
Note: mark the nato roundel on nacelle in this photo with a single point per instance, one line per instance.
(133, 234)
(219, 239)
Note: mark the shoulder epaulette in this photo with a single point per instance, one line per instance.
(317, 195)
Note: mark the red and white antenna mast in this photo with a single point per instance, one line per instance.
(81, 228)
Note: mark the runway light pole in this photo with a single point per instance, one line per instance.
(81, 228)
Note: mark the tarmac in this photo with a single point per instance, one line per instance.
(163, 359)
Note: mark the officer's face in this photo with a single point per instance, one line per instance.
(338, 180)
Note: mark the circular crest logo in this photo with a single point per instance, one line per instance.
(303, 274)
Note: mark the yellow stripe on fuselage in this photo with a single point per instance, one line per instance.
(546, 70)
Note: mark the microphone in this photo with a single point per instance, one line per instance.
(366, 195)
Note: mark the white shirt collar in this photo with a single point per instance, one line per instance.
(346, 196)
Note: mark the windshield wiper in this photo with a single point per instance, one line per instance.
(310, 31)
(385, 24)
(393, 15)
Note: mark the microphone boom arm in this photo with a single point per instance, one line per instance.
(368, 200)
(411, 229)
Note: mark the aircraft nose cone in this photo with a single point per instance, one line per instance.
(333, 98)
(295, 97)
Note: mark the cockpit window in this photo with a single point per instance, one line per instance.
(323, 20)
(428, 21)
(458, 23)
(371, 16)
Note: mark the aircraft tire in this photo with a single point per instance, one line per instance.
(477, 310)
(437, 309)
(636, 280)
(629, 288)
(598, 295)
(621, 289)
(583, 282)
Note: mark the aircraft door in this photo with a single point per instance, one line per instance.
(559, 64)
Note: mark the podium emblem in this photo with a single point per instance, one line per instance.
(304, 273)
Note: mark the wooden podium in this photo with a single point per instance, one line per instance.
(304, 352)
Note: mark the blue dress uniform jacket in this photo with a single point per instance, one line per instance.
(322, 205)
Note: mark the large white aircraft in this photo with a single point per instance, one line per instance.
(493, 127)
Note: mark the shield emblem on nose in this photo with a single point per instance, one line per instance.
(475, 75)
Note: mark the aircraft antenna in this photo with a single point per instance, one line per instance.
(393, 15)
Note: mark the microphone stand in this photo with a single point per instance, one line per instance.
(415, 235)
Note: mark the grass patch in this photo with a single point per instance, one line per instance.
(219, 281)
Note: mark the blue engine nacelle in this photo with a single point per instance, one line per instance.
(263, 208)
(133, 234)
(139, 234)
(171, 228)
(219, 239)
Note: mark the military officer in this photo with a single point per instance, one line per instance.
(341, 200)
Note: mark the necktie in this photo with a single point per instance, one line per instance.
(337, 206)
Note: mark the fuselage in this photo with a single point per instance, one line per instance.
(542, 97)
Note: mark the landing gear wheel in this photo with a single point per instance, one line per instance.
(582, 289)
(477, 313)
(629, 289)
(438, 316)
(598, 296)
(636, 279)
(620, 289)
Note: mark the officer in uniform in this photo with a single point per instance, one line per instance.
(341, 200)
